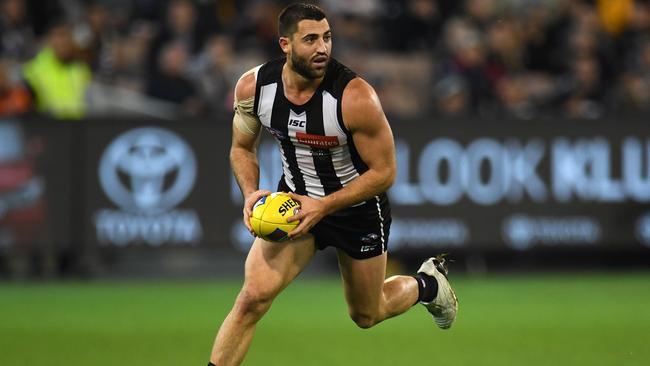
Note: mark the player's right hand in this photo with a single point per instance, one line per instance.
(248, 207)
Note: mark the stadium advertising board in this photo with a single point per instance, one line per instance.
(147, 206)
(34, 196)
(523, 184)
(153, 184)
(460, 185)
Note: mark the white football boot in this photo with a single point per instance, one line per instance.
(445, 305)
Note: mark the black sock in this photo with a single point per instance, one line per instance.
(427, 287)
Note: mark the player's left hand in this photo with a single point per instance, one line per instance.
(311, 212)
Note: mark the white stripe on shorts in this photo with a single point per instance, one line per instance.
(381, 225)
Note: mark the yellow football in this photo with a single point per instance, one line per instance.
(270, 213)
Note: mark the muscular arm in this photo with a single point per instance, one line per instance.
(243, 160)
(373, 138)
(243, 150)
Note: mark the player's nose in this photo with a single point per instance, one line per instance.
(322, 46)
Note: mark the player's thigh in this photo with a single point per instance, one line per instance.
(270, 266)
(363, 281)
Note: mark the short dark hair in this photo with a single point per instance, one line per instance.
(294, 13)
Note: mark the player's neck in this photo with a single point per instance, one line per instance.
(296, 83)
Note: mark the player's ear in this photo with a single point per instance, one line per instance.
(285, 44)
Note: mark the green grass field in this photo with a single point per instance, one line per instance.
(559, 319)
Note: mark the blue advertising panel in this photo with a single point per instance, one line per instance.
(461, 185)
(151, 184)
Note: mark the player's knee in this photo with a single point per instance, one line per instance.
(253, 303)
(363, 320)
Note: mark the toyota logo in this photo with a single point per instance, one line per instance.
(147, 170)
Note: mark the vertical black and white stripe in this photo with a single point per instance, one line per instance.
(309, 168)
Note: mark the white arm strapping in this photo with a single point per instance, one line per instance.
(245, 119)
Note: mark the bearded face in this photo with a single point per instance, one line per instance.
(309, 48)
(309, 68)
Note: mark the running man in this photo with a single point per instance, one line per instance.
(338, 159)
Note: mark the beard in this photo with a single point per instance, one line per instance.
(303, 67)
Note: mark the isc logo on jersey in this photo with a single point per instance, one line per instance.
(297, 122)
(270, 214)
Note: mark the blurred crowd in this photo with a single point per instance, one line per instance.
(517, 59)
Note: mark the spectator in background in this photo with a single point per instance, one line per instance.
(451, 97)
(180, 27)
(586, 38)
(14, 98)
(614, 15)
(351, 35)
(542, 30)
(257, 28)
(505, 45)
(496, 47)
(633, 36)
(513, 98)
(585, 91)
(633, 94)
(57, 78)
(16, 34)
(468, 60)
(123, 63)
(480, 13)
(219, 17)
(213, 76)
(171, 83)
(413, 25)
(93, 34)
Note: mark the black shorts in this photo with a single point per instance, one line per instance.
(360, 231)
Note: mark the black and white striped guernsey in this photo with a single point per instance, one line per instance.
(318, 154)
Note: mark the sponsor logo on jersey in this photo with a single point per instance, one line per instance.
(317, 141)
(297, 122)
